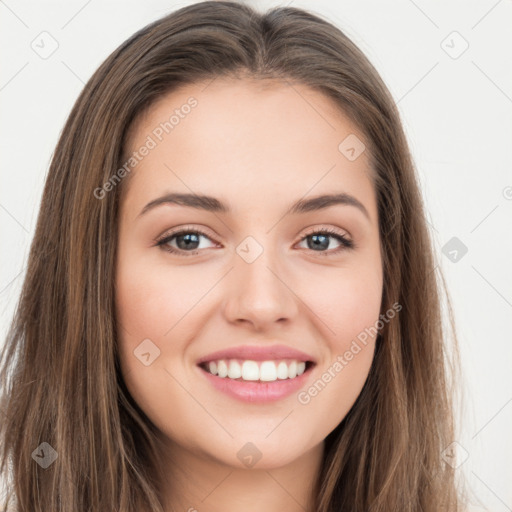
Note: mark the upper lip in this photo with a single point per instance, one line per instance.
(258, 353)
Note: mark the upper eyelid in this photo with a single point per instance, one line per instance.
(329, 230)
(186, 229)
(204, 232)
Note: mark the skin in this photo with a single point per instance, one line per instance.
(258, 147)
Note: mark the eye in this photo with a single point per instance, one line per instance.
(318, 240)
(186, 239)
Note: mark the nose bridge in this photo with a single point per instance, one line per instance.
(258, 292)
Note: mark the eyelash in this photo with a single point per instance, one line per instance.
(162, 241)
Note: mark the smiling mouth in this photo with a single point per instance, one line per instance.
(257, 371)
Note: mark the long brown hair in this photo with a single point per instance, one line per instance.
(60, 373)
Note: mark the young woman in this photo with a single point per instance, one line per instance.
(231, 300)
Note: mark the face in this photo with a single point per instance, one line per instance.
(247, 270)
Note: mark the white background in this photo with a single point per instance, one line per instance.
(457, 115)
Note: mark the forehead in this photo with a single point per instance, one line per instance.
(248, 140)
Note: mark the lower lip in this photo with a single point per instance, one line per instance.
(255, 391)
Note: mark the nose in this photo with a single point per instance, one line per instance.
(258, 293)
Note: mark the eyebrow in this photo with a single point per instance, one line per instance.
(211, 204)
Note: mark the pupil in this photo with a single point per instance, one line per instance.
(316, 243)
(187, 239)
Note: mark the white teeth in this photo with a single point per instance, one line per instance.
(222, 368)
(234, 371)
(292, 370)
(282, 370)
(250, 370)
(265, 371)
(268, 371)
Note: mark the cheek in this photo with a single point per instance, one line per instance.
(148, 305)
(152, 304)
(347, 303)
(348, 309)
(151, 300)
